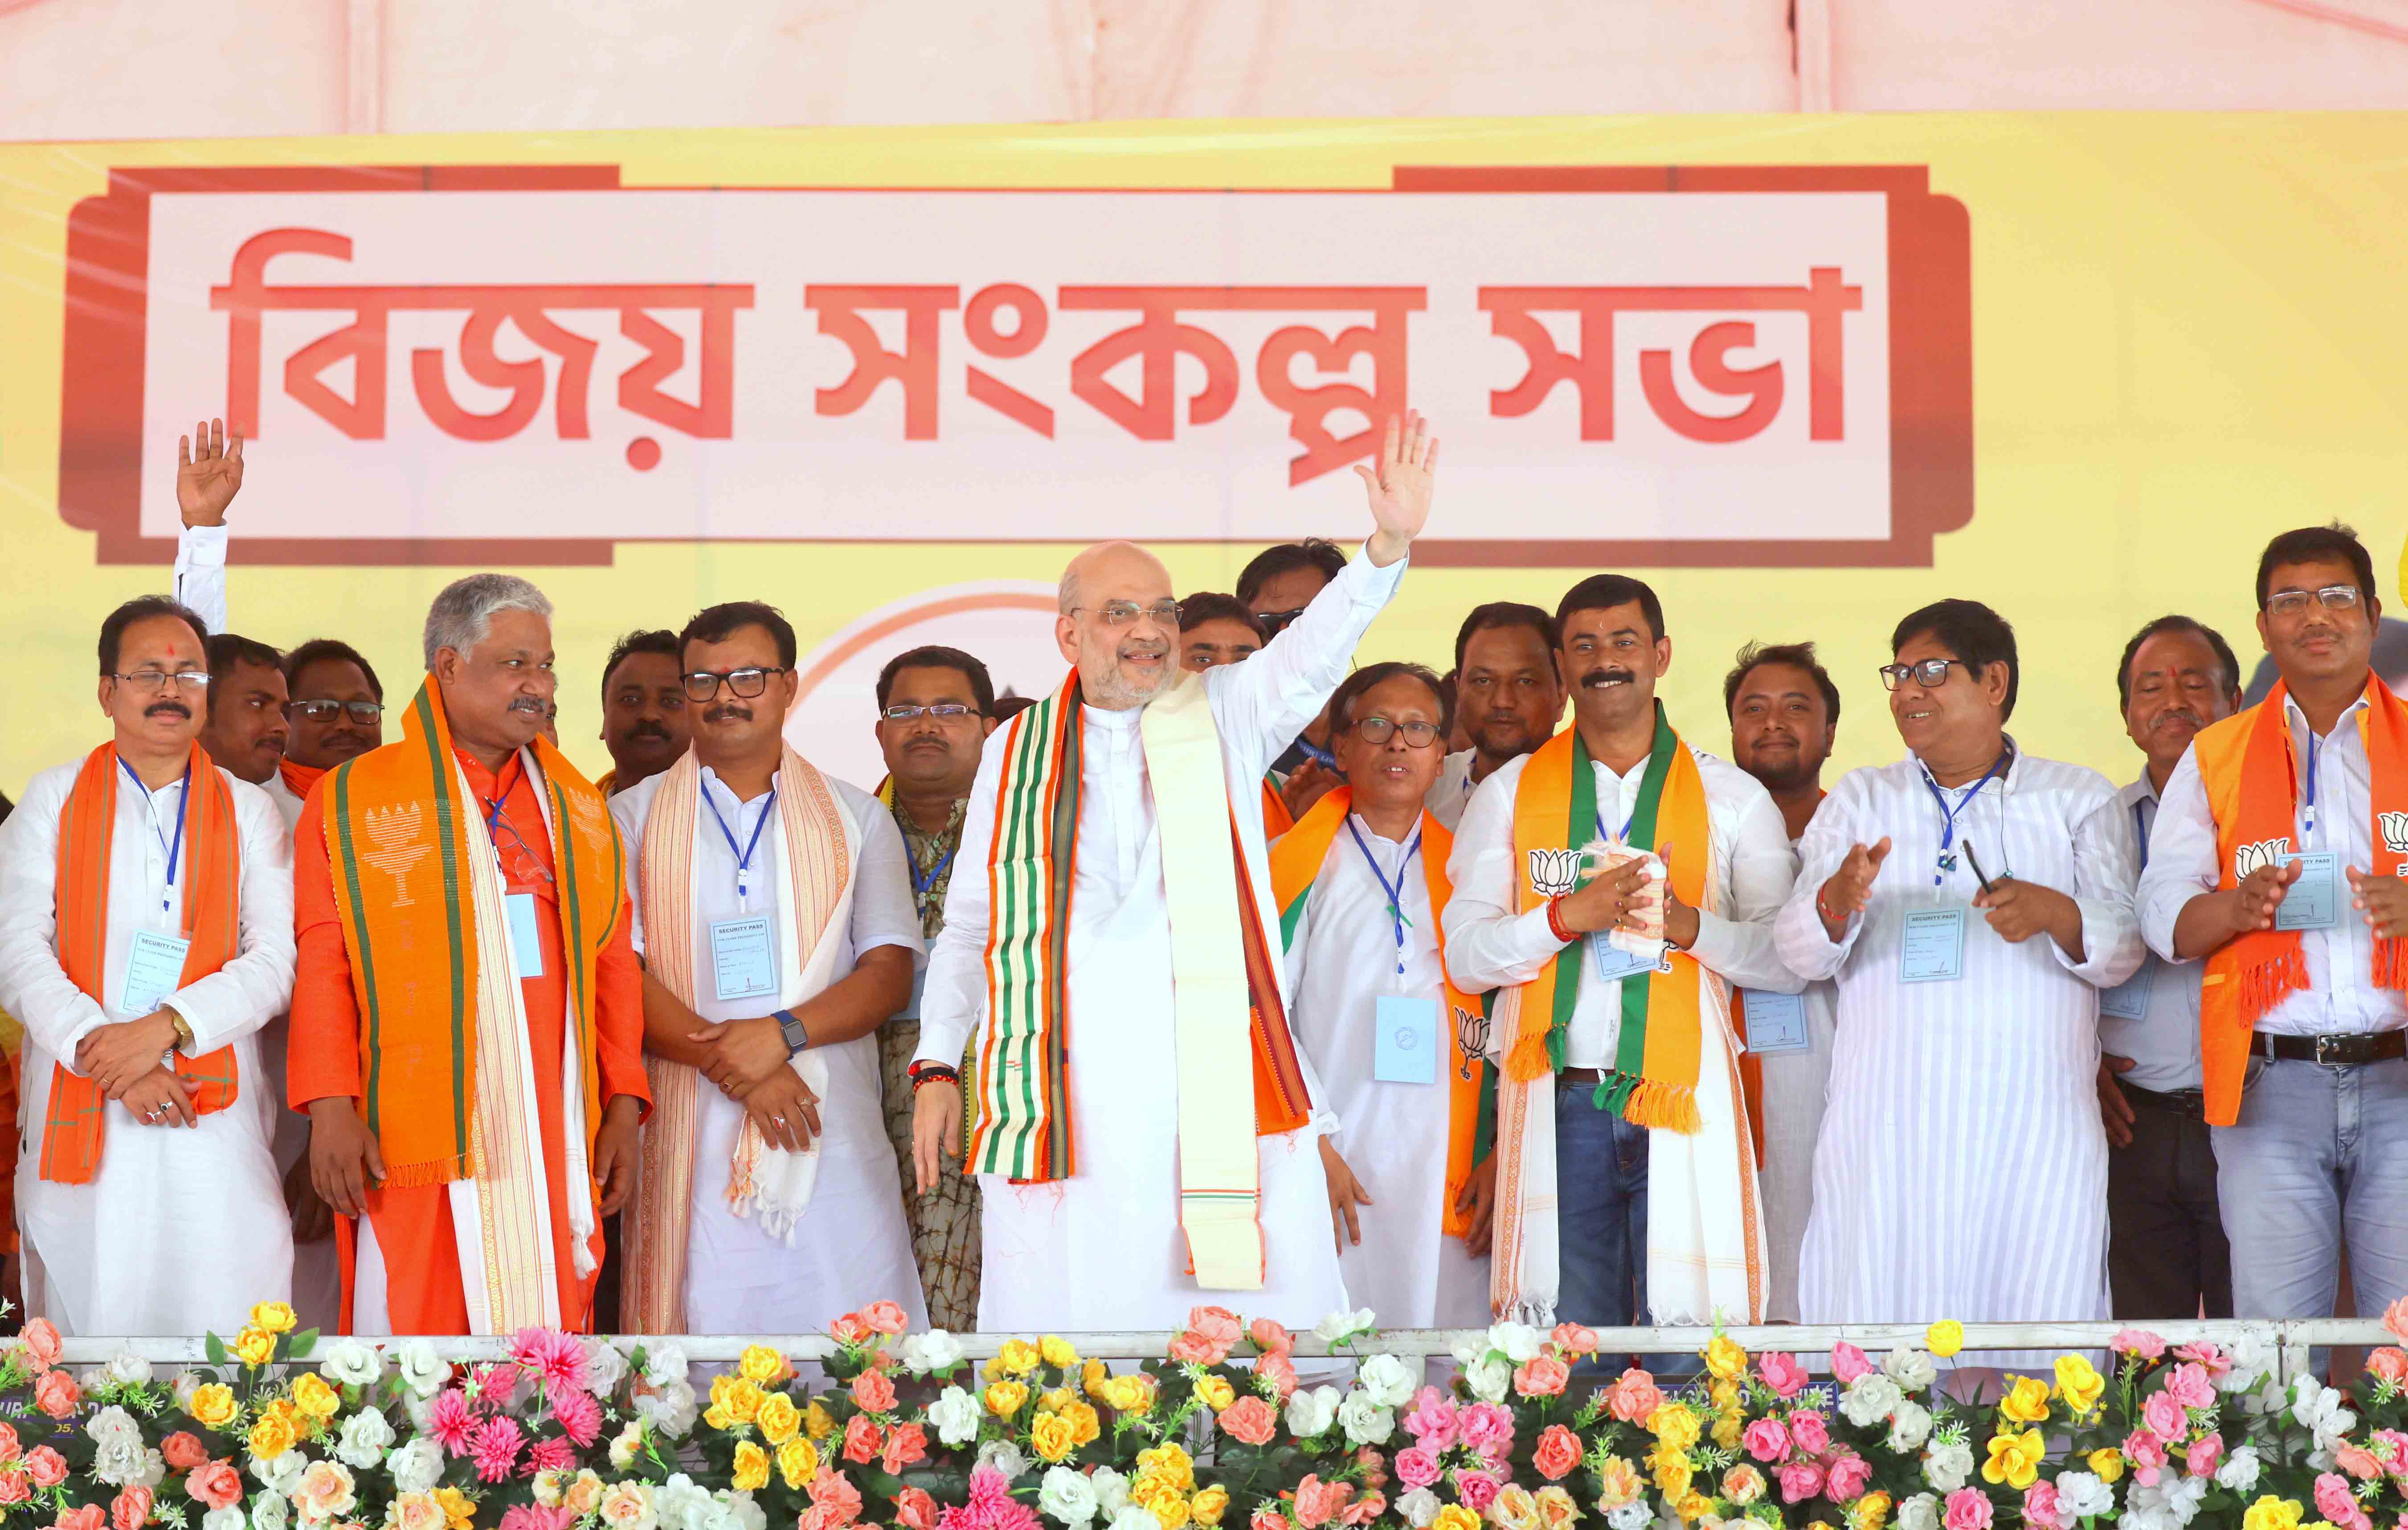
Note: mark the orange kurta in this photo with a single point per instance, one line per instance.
(422, 1289)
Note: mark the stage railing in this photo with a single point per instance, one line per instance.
(2291, 1340)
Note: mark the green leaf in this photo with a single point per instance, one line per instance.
(302, 1343)
(215, 1349)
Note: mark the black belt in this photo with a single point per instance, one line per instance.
(2191, 1102)
(2331, 1050)
(1590, 1077)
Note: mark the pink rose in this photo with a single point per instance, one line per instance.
(1365, 1510)
(1558, 1452)
(2163, 1417)
(1318, 1502)
(861, 1441)
(2139, 1341)
(49, 1467)
(1848, 1477)
(1434, 1420)
(1488, 1428)
(1574, 1341)
(1249, 1421)
(2201, 1459)
(1194, 1349)
(1418, 1466)
(1967, 1509)
(832, 1488)
(873, 1391)
(2358, 1461)
(2188, 1385)
(1848, 1363)
(915, 1510)
(215, 1483)
(1765, 1440)
(1543, 1376)
(907, 1444)
(15, 1486)
(132, 1509)
(1374, 1465)
(1782, 1373)
(2395, 1317)
(1267, 1518)
(2388, 1364)
(2394, 1451)
(1279, 1371)
(885, 1318)
(2335, 1501)
(1800, 1480)
(42, 1342)
(851, 1328)
(181, 1450)
(2040, 1507)
(1477, 1489)
(57, 1395)
(1270, 1337)
(822, 1517)
(2147, 1454)
(2210, 1355)
(1633, 1399)
(1808, 1433)
(1216, 1325)
(84, 1517)
(10, 1449)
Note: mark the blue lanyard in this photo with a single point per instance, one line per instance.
(2142, 830)
(744, 857)
(921, 883)
(1396, 890)
(1948, 815)
(1315, 752)
(2308, 820)
(175, 848)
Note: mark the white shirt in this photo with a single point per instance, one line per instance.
(2163, 1043)
(1491, 943)
(1452, 792)
(200, 574)
(2340, 997)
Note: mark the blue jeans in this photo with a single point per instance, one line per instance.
(1600, 1213)
(2318, 1159)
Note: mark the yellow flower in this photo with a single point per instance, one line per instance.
(1869, 1512)
(2107, 1464)
(1672, 1475)
(2272, 1513)
(314, 1397)
(737, 1396)
(1455, 1517)
(716, 1417)
(1209, 1504)
(797, 1461)
(1056, 1400)
(1093, 1374)
(212, 1406)
(271, 1436)
(1673, 1426)
(1057, 1351)
(1053, 1437)
(762, 1364)
(1131, 1394)
(1172, 1463)
(276, 1317)
(818, 1422)
(2079, 1383)
(1944, 1337)
(1693, 1506)
(1217, 1392)
(254, 1346)
(1005, 1398)
(1171, 1510)
(1725, 1359)
(1017, 1357)
(2026, 1399)
(1727, 1429)
(752, 1468)
(459, 1509)
(2014, 1459)
(1725, 1395)
(1086, 1427)
(779, 1418)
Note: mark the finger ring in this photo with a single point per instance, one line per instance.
(777, 1120)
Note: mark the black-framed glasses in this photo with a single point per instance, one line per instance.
(1379, 730)
(1923, 672)
(744, 684)
(365, 713)
(1275, 623)
(151, 683)
(943, 711)
(2333, 598)
(1122, 613)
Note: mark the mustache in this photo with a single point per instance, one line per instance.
(527, 703)
(1144, 649)
(649, 730)
(1599, 679)
(168, 708)
(2184, 714)
(726, 712)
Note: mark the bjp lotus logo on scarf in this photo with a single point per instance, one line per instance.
(394, 833)
(2395, 835)
(1471, 1036)
(1554, 872)
(2265, 852)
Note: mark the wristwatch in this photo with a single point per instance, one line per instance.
(790, 1025)
(184, 1031)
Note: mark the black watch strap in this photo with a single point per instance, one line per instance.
(791, 1025)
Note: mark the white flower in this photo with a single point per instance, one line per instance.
(671, 1410)
(1910, 1426)
(1634, 1515)
(183, 1385)
(271, 1511)
(934, 1350)
(347, 1362)
(1112, 1491)
(2319, 1409)
(1341, 1325)
(155, 1469)
(117, 1462)
(674, 1502)
(2240, 1469)
(417, 1466)
(2084, 1494)
(1947, 1467)
(1871, 1398)
(1005, 1457)
(1468, 1352)
(1490, 1378)
(1312, 1411)
(283, 1474)
(1909, 1367)
(745, 1513)
(628, 1442)
(223, 1519)
(2184, 1495)
(366, 1434)
(1920, 1513)
(1067, 1495)
(1419, 1507)
(1519, 1340)
(93, 1378)
(113, 1425)
(1365, 1422)
(1134, 1517)
(127, 1369)
(2252, 1356)
(956, 1415)
(422, 1371)
(606, 1366)
(709, 1513)
(1387, 1380)
(628, 1506)
(664, 1364)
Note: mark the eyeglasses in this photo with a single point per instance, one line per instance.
(1121, 613)
(1923, 672)
(745, 684)
(1379, 730)
(150, 682)
(2333, 598)
(943, 711)
(1275, 623)
(365, 713)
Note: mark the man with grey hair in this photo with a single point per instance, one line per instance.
(461, 889)
(1116, 956)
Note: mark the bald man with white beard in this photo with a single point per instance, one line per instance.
(1117, 963)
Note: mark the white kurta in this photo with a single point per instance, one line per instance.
(852, 1244)
(1452, 792)
(1102, 1250)
(184, 1227)
(1961, 1171)
(1342, 956)
(1796, 1085)
(317, 1274)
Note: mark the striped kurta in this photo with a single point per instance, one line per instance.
(1961, 1170)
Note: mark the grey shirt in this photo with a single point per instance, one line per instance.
(2163, 1042)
